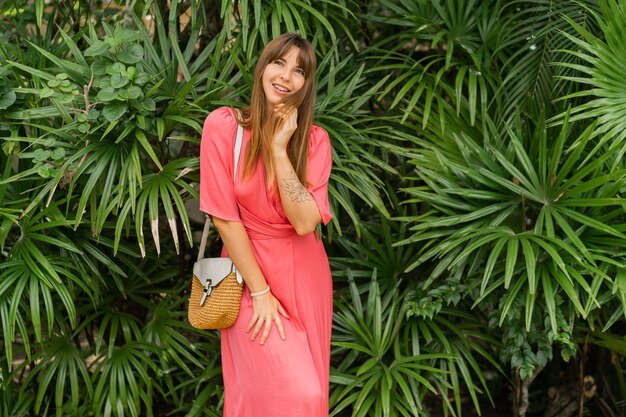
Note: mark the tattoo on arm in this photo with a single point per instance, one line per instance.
(293, 187)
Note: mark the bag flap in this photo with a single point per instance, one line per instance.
(214, 269)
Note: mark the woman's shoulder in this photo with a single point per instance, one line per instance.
(219, 126)
(318, 133)
(319, 136)
(222, 116)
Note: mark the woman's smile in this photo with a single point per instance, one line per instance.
(281, 89)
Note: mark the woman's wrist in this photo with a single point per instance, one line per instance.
(260, 293)
(279, 152)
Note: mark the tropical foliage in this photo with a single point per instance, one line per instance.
(479, 231)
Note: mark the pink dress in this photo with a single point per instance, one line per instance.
(282, 378)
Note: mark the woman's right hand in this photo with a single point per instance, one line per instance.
(286, 128)
(266, 309)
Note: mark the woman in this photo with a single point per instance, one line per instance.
(276, 357)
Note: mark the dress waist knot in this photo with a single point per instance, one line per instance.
(258, 229)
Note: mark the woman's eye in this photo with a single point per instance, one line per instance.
(300, 71)
(278, 62)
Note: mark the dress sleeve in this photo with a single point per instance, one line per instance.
(319, 165)
(217, 191)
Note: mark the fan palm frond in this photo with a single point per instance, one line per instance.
(530, 46)
(599, 61)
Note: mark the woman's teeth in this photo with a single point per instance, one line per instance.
(280, 88)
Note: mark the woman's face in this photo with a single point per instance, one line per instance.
(282, 78)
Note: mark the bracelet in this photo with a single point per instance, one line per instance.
(259, 293)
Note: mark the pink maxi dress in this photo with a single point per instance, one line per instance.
(282, 378)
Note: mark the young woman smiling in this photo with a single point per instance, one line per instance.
(276, 357)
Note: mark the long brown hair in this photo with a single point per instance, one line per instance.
(265, 124)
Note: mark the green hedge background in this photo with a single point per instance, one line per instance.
(478, 244)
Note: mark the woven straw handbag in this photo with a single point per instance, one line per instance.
(216, 286)
(216, 289)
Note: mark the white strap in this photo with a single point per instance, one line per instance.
(207, 223)
(238, 142)
(205, 235)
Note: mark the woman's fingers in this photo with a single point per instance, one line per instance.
(266, 330)
(264, 317)
(257, 329)
(282, 310)
(286, 112)
(253, 320)
(293, 119)
(281, 110)
(281, 330)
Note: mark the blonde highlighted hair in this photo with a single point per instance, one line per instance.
(264, 123)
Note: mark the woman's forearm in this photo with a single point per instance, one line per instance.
(239, 249)
(299, 205)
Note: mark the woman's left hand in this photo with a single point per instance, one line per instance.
(266, 312)
(287, 127)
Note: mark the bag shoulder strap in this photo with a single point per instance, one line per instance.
(237, 153)
(207, 223)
